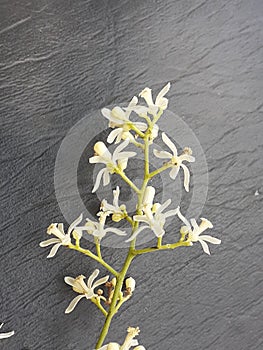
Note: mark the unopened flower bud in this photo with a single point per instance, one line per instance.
(184, 230)
(130, 284)
(148, 196)
(100, 148)
(99, 292)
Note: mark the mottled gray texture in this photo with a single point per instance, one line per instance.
(62, 59)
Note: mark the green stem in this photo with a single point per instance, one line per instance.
(118, 287)
(100, 307)
(139, 132)
(95, 257)
(127, 180)
(120, 279)
(158, 171)
(97, 243)
(162, 247)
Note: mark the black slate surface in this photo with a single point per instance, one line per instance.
(60, 60)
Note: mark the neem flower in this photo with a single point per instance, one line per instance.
(97, 229)
(194, 235)
(175, 160)
(128, 343)
(86, 290)
(112, 161)
(153, 215)
(160, 102)
(119, 119)
(62, 238)
(115, 209)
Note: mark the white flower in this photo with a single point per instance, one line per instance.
(153, 215)
(160, 102)
(128, 343)
(62, 237)
(112, 161)
(119, 119)
(86, 290)
(194, 235)
(97, 229)
(115, 209)
(6, 335)
(175, 160)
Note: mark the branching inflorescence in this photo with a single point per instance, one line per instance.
(150, 215)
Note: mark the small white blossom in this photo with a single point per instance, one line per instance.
(97, 229)
(86, 290)
(6, 335)
(63, 239)
(153, 215)
(175, 160)
(112, 161)
(130, 284)
(115, 209)
(119, 119)
(160, 102)
(128, 343)
(194, 232)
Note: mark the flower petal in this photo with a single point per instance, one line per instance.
(141, 218)
(204, 246)
(54, 250)
(106, 177)
(98, 179)
(113, 134)
(70, 281)
(6, 335)
(141, 126)
(186, 177)
(170, 144)
(92, 277)
(194, 224)
(160, 101)
(73, 303)
(187, 158)
(183, 219)
(100, 281)
(49, 242)
(116, 231)
(124, 155)
(174, 172)
(162, 154)
(75, 223)
(210, 239)
(172, 212)
(163, 206)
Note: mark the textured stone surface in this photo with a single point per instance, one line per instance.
(62, 59)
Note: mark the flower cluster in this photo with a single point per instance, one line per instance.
(148, 213)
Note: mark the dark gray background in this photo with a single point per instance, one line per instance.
(61, 59)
